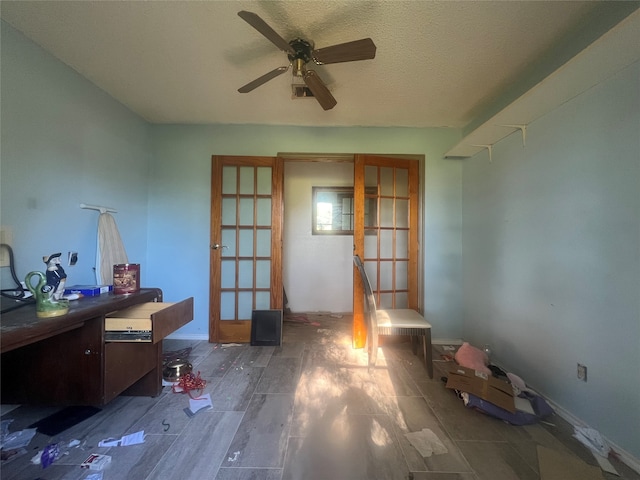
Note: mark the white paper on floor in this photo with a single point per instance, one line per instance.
(17, 439)
(125, 441)
(197, 404)
(426, 442)
(605, 464)
(592, 439)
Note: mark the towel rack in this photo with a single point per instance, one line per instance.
(99, 208)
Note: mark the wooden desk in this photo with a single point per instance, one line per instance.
(66, 361)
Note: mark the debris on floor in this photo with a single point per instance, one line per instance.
(301, 318)
(201, 403)
(426, 442)
(472, 357)
(592, 439)
(234, 458)
(310, 318)
(448, 353)
(182, 354)
(50, 454)
(191, 384)
(490, 390)
(15, 440)
(53, 451)
(94, 476)
(6, 455)
(124, 441)
(96, 461)
(479, 384)
(504, 395)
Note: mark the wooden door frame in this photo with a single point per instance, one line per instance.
(276, 291)
(277, 294)
(414, 166)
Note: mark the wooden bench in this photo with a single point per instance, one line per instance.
(397, 321)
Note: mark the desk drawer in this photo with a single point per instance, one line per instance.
(147, 322)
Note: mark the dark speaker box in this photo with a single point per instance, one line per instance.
(266, 327)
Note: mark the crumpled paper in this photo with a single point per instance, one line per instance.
(426, 442)
(591, 439)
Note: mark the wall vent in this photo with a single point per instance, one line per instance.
(300, 91)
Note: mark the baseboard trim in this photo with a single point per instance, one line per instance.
(446, 341)
(188, 336)
(625, 457)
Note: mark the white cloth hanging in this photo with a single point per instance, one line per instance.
(110, 249)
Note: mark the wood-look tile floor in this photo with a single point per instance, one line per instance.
(309, 409)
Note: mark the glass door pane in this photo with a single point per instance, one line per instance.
(386, 240)
(248, 225)
(244, 242)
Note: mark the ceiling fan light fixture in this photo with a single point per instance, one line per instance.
(298, 67)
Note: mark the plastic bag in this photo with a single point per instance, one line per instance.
(50, 454)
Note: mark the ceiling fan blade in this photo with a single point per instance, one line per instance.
(363, 49)
(263, 79)
(319, 90)
(256, 22)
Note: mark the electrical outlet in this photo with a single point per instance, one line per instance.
(6, 237)
(582, 372)
(73, 258)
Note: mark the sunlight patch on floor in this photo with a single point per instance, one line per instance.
(339, 385)
(379, 434)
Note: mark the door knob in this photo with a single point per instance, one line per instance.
(217, 246)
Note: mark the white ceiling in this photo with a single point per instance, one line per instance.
(437, 63)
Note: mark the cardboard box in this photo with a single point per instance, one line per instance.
(482, 385)
(88, 290)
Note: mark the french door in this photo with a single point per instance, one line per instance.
(246, 243)
(386, 195)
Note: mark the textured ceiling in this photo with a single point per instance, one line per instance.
(437, 63)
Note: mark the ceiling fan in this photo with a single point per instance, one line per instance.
(300, 52)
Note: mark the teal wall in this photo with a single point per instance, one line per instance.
(179, 203)
(65, 142)
(551, 255)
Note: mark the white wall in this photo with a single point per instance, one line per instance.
(551, 255)
(317, 269)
